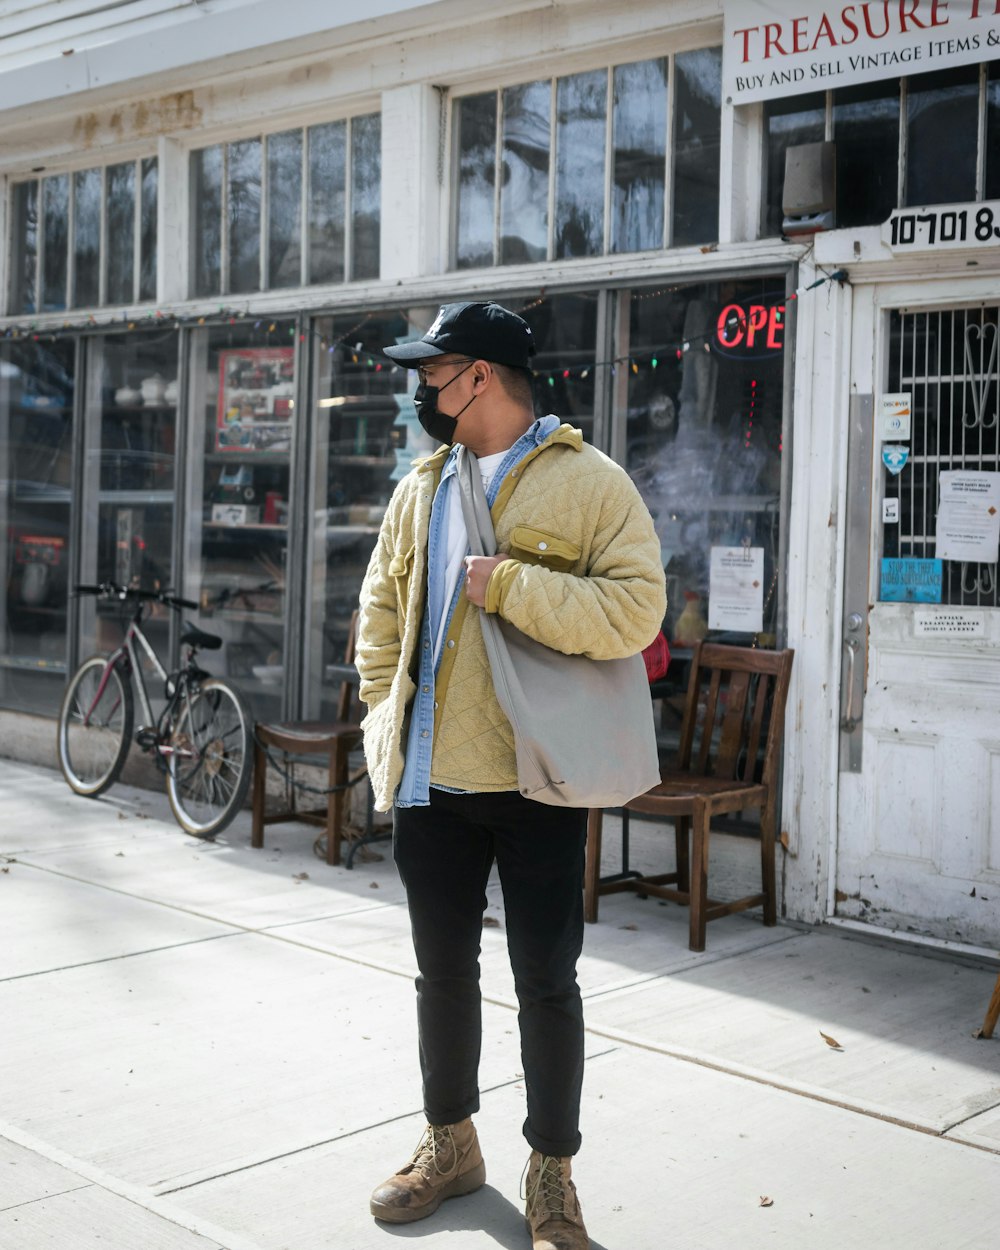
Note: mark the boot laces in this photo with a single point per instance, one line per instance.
(436, 1150)
(545, 1191)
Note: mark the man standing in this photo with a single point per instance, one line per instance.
(578, 569)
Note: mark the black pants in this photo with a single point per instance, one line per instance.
(444, 854)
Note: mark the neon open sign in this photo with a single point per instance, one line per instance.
(756, 330)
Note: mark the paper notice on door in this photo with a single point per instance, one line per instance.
(736, 589)
(968, 519)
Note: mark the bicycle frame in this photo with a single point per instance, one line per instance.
(127, 657)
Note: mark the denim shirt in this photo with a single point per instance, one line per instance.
(414, 789)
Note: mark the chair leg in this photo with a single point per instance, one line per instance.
(768, 884)
(335, 802)
(698, 894)
(259, 796)
(992, 1012)
(682, 827)
(592, 871)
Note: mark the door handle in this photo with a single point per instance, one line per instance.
(848, 723)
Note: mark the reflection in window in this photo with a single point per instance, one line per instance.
(941, 136)
(284, 209)
(366, 183)
(866, 132)
(206, 200)
(121, 225)
(513, 145)
(128, 478)
(365, 434)
(581, 109)
(697, 143)
(240, 496)
(704, 433)
(477, 124)
(564, 328)
(327, 201)
(86, 237)
(147, 227)
(788, 122)
(244, 190)
(36, 400)
(104, 259)
(993, 132)
(24, 261)
(343, 163)
(639, 139)
(55, 209)
(524, 173)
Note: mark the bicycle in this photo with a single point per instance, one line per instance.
(202, 740)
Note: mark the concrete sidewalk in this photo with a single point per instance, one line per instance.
(206, 1046)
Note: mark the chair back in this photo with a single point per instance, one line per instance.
(349, 701)
(735, 712)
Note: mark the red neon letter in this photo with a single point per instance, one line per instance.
(758, 320)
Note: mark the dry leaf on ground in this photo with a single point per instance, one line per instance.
(830, 1041)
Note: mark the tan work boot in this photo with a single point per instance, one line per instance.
(446, 1163)
(552, 1210)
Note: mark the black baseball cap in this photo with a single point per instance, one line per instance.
(483, 331)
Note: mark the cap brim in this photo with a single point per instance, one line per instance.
(418, 350)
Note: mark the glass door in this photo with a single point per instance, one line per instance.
(37, 385)
(240, 493)
(130, 430)
(365, 435)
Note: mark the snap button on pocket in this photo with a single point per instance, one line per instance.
(543, 546)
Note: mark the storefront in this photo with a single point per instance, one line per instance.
(192, 393)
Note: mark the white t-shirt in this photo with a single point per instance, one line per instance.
(455, 537)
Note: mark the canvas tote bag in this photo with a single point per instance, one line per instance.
(583, 729)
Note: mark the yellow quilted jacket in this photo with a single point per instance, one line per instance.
(585, 578)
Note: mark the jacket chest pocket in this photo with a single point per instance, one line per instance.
(534, 546)
(401, 569)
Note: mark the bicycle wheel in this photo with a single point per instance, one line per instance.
(210, 762)
(95, 726)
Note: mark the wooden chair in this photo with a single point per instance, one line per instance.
(334, 739)
(730, 748)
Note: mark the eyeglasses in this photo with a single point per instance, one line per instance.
(422, 370)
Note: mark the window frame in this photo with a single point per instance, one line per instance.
(15, 244)
(224, 142)
(628, 56)
(829, 135)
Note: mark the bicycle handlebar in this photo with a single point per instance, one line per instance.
(108, 590)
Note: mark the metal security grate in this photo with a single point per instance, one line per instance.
(949, 361)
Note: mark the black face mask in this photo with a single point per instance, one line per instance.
(438, 425)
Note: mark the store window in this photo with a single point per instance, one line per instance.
(129, 478)
(579, 165)
(291, 209)
(701, 398)
(942, 133)
(85, 239)
(37, 387)
(993, 132)
(241, 429)
(927, 139)
(866, 132)
(788, 122)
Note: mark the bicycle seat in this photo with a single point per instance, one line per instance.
(196, 637)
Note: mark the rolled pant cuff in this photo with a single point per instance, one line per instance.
(440, 1119)
(559, 1149)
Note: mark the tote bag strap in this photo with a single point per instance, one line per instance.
(475, 509)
